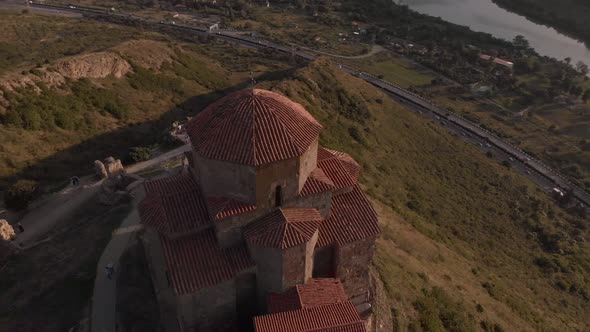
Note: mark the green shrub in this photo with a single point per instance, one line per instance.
(356, 135)
(20, 194)
(35, 111)
(139, 153)
(439, 312)
(118, 111)
(490, 327)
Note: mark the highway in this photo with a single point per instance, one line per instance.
(521, 161)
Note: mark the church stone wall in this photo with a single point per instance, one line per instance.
(209, 309)
(324, 264)
(157, 266)
(225, 179)
(269, 271)
(352, 261)
(229, 230)
(270, 176)
(308, 162)
(320, 201)
(277, 270)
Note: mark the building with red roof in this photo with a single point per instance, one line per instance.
(263, 220)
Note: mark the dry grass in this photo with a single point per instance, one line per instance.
(466, 217)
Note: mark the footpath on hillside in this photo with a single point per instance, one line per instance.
(46, 214)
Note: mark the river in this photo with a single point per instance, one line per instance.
(485, 16)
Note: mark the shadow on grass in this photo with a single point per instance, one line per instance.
(78, 159)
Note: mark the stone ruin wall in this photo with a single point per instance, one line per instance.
(352, 262)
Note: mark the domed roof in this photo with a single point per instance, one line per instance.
(253, 127)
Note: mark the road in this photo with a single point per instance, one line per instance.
(462, 124)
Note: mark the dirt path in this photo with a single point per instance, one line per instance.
(40, 220)
(44, 215)
(104, 300)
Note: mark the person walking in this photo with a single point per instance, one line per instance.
(110, 270)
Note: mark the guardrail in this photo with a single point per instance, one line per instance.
(416, 99)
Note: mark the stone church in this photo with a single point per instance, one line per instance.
(263, 221)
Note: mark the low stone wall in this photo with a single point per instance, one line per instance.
(352, 261)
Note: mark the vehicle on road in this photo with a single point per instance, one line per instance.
(557, 192)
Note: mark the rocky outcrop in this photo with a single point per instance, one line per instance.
(108, 168)
(6, 231)
(92, 65)
(113, 167)
(100, 170)
(111, 192)
(118, 188)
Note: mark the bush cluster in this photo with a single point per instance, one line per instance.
(439, 312)
(20, 194)
(49, 109)
(140, 153)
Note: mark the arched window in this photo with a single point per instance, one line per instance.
(278, 196)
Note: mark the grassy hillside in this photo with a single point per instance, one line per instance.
(466, 243)
(59, 115)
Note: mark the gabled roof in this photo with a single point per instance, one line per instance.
(352, 218)
(340, 167)
(317, 182)
(284, 228)
(253, 127)
(174, 205)
(315, 292)
(222, 207)
(196, 261)
(337, 317)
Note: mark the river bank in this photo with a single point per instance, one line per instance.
(487, 16)
(569, 17)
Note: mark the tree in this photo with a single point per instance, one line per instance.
(138, 153)
(582, 68)
(520, 42)
(568, 60)
(586, 95)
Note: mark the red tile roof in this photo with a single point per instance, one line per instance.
(340, 167)
(253, 127)
(284, 228)
(286, 301)
(222, 207)
(316, 292)
(196, 261)
(337, 317)
(317, 182)
(320, 291)
(352, 218)
(174, 205)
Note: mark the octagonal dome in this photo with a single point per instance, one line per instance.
(253, 127)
